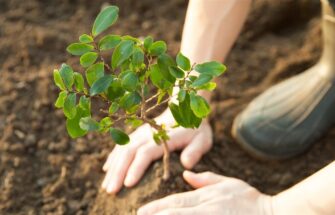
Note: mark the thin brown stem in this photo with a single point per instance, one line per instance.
(166, 161)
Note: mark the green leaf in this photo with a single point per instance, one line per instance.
(181, 95)
(88, 124)
(72, 125)
(122, 52)
(183, 62)
(164, 61)
(212, 68)
(85, 104)
(58, 80)
(176, 72)
(109, 42)
(147, 42)
(88, 59)
(199, 105)
(138, 57)
(201, 80)
(70, 106)
(158, 79)
(84, 38)
(105, 123)
(208, 86)
(134, 39)
(119, 136)
(94, 72)
(184, 115)
(78, 82)
(101, 85)
(105, 19)
(113, 108)
(134, 123)
(61, 99)
(129, 81)
(115, 90)
(67, 75)
(79, 48)
(157, 48)
(130, 100)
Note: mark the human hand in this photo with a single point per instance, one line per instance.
(214, 194)
(125, 165)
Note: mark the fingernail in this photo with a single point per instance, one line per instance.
(129, 181)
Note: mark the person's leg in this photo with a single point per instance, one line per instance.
(287, 118)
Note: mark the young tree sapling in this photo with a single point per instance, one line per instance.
(122, 85)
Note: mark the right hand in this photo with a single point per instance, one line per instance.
(126, 165)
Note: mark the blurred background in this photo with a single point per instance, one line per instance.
(43, 171)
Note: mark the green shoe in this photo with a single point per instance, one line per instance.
(290, 116)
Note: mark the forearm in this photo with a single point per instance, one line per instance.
(211, 28)
(314, 195)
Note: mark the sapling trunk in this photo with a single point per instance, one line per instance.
(166, 160)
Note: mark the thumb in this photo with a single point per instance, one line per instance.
(198, 180)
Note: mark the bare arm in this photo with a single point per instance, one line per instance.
(314, 195)
(211, 28)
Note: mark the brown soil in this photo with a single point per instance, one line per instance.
(43, 171)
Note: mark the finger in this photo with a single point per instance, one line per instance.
(195, 150)
(119, 170)
(180, 200)
(110, 159)
(198, 180)
(144, 156)
(106, 179)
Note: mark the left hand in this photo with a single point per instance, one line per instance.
(214, 194)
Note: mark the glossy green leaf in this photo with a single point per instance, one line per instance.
(61, 99)
(105, 124)
(201, 80)
(134, 122)
(85, 104)
(129, 81)
(199, 105)
(181, 95)
(105, 19)
(147, 42)
(72, 125)
(176, 72)
(210, 86)
(67, 75)
(94, 72)
(115, 90)
(113, 108)
(158, 79)
(78, 82)
(134, 39)
(164, 61)
(183, 62)
(70, 106)
(119, 136)
(122, 52)
(84, 38)
(109, 42)
(88, 59)
(58, 80)
(101, 85)
(88, 124)
(79, 48)
(138, 57)
(212, 68)
(130, 100)
(157, 48)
